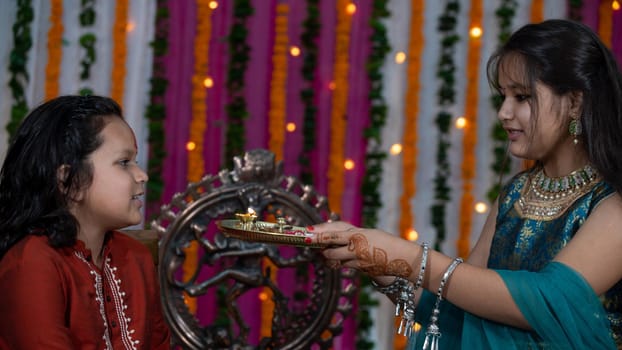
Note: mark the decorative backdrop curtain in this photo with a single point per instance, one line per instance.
(125, 29)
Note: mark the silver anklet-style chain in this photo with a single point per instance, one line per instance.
(403, 292)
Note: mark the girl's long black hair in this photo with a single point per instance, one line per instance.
(47, 164)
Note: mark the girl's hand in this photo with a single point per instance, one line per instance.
(372, 251)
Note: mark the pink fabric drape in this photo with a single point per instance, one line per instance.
(260, 39)
(328, 18)
(179, 62)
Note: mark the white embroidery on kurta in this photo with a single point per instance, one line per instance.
(118, 294)
(99, 292)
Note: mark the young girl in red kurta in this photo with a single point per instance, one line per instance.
(69, 280)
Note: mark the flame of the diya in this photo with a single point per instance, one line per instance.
(250, 216)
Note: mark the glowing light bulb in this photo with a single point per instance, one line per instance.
(400, 57)
(332, 85)
(412, 235)
(348, 164)
(190, 146)
(213, 5)
(129, 27)
(475, 32)
(208, 82)
(481, 207)
(615, 5)
(291, 127)
(461, 123)
(396, 149)
(351, 9)
(294, 51)
(263, 296)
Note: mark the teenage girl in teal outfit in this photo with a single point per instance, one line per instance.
(546, 271)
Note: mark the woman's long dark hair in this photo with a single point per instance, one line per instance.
(47, 165)
(569, 57)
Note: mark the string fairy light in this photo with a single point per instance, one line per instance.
(208, 82)
(481, 207)
(461, 122)
(396, 149)
(294, 51)
(475, 32)
(400, 57)
(348, 164)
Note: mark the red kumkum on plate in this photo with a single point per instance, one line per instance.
(267, 232)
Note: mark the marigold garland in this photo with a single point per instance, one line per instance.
(470, 132)
(339, 106)
(410, 131)
(55, 52)
(277, 115)
(119, 51)
(537, 11)
(411, 110)
(605, 22)
(198, 125)
(278, 85)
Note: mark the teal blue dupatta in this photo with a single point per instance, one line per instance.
(561, 307)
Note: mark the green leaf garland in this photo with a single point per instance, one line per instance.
(238, 61)
(446, 98)
(22, 42)
(87, 42)
(310, 34)
(155, 112)
(373, 160)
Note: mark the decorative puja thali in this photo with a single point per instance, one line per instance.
(246, 228)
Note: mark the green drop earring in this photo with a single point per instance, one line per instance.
(575, 129)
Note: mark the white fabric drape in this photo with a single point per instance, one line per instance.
(138, 67)
(138, 60)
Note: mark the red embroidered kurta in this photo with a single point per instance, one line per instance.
(58, 299)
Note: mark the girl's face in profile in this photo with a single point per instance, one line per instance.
(537, 126)
(113, 200)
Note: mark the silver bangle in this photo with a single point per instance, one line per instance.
(409, 307)
(433, 332)
(424, 262)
